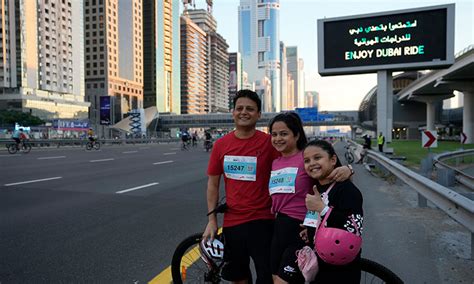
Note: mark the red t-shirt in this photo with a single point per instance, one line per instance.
(241, 161)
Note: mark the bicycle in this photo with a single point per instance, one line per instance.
(93, 145)
(24, 147)
(208, 145)
(187, 265)
(348, 155)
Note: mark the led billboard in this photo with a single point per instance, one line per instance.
(421, 38)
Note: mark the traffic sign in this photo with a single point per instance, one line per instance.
(463, 138)
(428, 139)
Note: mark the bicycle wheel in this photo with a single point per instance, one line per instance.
(88, 146)
(97, 145)
(349, 157)
(26, 148)
(12, 148)
(373, 272)
(187, 266)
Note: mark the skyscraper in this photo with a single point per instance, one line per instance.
(312, 99)
(259, 44)
(41, 66)
(235, 76)
(295, 68)
(161, 55)
(194, 98)
(113, 55)
(284, 77)
(217, 60)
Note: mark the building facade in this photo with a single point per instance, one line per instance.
(312, 99)
(161, 55)
(259, 44)
(217, 59)
(295, 68)
(284, 77)
(194, 77)
(41, 66)
(235, 76)
(113, 52)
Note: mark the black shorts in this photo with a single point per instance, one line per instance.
(286, 241)
(245, 241)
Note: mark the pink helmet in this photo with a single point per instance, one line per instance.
(337, 246)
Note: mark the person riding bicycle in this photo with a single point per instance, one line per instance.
(90, 135)
(207, 139)
(19, 136)
(185, 138)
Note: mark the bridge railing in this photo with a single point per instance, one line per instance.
(82, 142)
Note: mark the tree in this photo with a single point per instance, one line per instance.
(10, 117)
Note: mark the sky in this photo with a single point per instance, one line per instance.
(298, 22)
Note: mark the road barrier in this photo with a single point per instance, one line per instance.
(457, 206)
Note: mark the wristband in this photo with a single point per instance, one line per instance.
(351, 169)
(324, 211)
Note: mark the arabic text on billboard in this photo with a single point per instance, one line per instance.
(392, 41)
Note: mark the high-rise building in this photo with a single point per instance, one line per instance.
(194, 80)
(312, 99)
(284, 77)
(259, 44)
(295, 68)
(290, 91)
(217, 59)
(235, 76)
(114, 55)
(41, 59)
(263, 88)
(161, 55)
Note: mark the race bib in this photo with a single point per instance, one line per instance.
(283, 181)
(311, 219)
(240, 167)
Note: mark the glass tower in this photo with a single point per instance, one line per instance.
(259, 44)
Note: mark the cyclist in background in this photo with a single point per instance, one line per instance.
(207, 139)
(90, 135)
(19, 136)
(184, 138)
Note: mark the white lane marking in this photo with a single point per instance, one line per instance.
(138, 187)
(7, 155)
(31, 181)
(164, 162)
(102, 160)
(49, 158)
(171, 153)
(129, 152)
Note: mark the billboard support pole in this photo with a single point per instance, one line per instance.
(385, 104)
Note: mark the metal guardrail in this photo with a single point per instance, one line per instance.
(462, 177)
(457, 206)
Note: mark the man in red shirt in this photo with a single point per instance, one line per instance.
(244, 157)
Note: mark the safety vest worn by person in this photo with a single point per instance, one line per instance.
(380, 139)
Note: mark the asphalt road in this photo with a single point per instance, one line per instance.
(115, 216)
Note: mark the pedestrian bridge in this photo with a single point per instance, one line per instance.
(225, 120)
